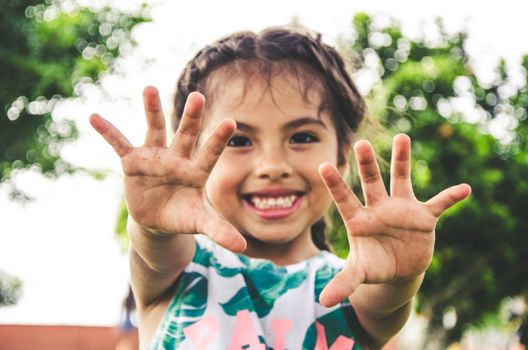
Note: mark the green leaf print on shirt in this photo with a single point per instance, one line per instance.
(186, 308)
(206, 258)
(266, 282)
(322, 277)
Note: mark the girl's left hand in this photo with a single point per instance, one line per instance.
(392, 237)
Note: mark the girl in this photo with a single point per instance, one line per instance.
(254, 171)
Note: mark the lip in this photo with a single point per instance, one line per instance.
(274, 213)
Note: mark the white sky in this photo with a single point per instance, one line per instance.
(62, 245)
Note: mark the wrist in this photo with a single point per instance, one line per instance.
(134, 228)
(160, 251)
(382, 300)
(412, 282)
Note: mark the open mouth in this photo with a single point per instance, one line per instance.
(274, 206)
(265, 202)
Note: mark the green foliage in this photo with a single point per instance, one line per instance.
(10, 289)
(481, 242)
(121, 226)
(48, 50)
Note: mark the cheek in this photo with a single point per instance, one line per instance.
(310, 173)
(222, 185)
(309, 170)
(323, 194)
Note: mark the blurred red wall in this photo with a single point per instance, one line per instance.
(38, 337)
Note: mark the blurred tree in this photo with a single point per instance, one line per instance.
(10, 289)
(463, 130)
(48, 51)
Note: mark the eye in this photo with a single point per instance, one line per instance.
(303, 137)
(239, 141)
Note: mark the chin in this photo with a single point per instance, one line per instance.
(269, 239)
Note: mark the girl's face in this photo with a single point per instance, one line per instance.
(266, 182)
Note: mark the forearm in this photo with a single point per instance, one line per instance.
(156, 261)
(383, 309)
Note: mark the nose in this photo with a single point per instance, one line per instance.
(272, 164)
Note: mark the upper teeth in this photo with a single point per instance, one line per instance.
(273, 202)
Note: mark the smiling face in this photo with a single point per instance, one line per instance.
(266, 182)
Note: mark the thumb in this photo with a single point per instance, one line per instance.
(224, 234)
(447, 198)
(341, 286)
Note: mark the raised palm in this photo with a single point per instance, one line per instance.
(164, 185)
(392, 237)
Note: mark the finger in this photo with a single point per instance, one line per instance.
(213, 147)
(346, 201)
(224, 234)
(369, 173)
(447, 198)
(341, 286)
(401, 185)
(190, 125)
(112, 135)
(156, 134)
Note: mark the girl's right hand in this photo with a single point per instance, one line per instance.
(165, 185)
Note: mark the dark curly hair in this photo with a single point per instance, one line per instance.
(274, 51)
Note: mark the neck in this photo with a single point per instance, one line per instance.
(281, 253)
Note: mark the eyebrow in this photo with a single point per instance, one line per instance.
(294, 124)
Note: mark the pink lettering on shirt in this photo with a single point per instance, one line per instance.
(202, 332)
(245, 336)
(341, 343)
(280, 328)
